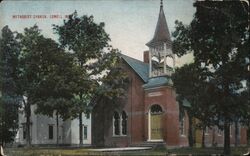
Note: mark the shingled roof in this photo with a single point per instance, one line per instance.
(158, 82)
(138, 66)
(161, 34)
(142, 70)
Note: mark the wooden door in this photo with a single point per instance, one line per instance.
(156, 127)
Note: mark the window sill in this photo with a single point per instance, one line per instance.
(117, 136)
(157, 140)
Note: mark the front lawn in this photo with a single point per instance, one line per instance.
(85, 151)
(49, 152)
(208, 151)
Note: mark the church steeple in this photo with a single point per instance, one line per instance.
(161, 34)
(161, 57)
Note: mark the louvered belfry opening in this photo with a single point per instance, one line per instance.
(161, 57)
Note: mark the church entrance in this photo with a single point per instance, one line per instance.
(155, 123)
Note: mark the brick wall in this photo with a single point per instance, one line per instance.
(132, 104)
(165, 97)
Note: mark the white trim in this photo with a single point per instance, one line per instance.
(207, 130)
(182, 128)
(113, 125)
(231, 130)
(165, 59)
(170, 86)
(120, 123)
(156, 140)
(149, 125)
(150, 63)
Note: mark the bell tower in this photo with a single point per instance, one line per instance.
(161, 57)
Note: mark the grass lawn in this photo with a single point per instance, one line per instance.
(85, 151)
(209, 151)
(49, 152)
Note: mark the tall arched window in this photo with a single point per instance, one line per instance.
(120, 123)
(124, 123)
(182, 127)
(116, 123)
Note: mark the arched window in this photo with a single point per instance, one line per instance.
(124, 123)
(156, 109)
(182, 127)
(116, 123)
(120, 123)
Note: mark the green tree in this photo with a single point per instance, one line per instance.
(94, 57)
(54, 91)
(191, 87)
(29, 72)
(218, 37)
(46, 73)
(9, 97)
(246, 99)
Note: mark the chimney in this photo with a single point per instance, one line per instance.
(146, 56)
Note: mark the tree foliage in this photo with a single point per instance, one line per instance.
(9, 96)
(94, 58)
(192, 96)
(60, 78)
(43, 76)
(48, 70)
(219, 39)
(83, 36)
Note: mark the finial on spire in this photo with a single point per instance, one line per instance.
(161, 4)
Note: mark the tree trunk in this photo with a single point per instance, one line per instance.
(214, 144)
(28, 114)
(190, 132)
(1, 139)
(80, 130)
(2, 129)
(203, 137)
(236, 142)
(57, 129)
(227, 149)
(103, 123)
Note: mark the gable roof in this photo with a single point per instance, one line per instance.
(140, 68)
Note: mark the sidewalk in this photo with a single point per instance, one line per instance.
(120, 149)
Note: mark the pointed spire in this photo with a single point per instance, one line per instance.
(161, 34)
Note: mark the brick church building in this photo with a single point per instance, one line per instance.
(149, 112)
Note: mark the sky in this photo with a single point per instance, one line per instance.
(130, 23)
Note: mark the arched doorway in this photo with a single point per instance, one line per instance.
(155, 123)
